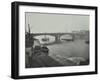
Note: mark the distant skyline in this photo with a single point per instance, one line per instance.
(53, 23)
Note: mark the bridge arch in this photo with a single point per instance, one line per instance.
(66, 37)
(57, 36)
(50, 37)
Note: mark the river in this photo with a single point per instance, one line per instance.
(66, 49)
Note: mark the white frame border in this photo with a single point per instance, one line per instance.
(54, 70)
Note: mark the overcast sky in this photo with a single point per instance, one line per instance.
(44, 23)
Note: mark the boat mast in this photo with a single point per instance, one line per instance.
(29, 29)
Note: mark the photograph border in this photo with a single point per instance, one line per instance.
(15, 39)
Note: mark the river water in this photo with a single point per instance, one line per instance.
(66, 49)
(77, 48)
(70, 48)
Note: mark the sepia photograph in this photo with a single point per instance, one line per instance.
(56, 40)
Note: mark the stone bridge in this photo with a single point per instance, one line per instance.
(56, 35)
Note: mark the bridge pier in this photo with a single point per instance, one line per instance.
(57, 39)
